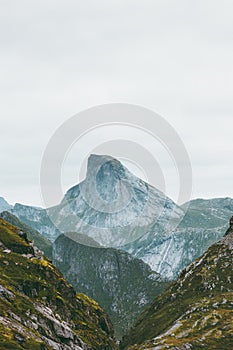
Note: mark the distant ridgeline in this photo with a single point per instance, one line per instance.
(150, 226)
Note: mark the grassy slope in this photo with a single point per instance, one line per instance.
(41, 242)
(25, 283)
(196, 311)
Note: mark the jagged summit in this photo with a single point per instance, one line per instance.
(113, 206)
(109, 179)
(95, 161)
(4, 205)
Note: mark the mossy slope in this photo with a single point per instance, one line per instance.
(41, 242)
(196, 312)
(39, 309)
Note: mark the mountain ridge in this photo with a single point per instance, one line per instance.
(119, 210)
(39, 309)
(120, 283)
(195, 311)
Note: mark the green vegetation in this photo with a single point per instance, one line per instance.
(122, 284)
(38, 306)
(196, 311)
(41, 242)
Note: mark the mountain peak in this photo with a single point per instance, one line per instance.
(108, 180)
(114, 206)
(104, 164)
(95, 159)
(4, 205)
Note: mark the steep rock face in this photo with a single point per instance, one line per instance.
(196, 312)
(39, 309)
(4, 205)
(36, 218)
(41, 242)
(169, 255)
(204, 223)
(123, 285)
(208, 213)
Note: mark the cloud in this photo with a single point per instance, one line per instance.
(59, 57)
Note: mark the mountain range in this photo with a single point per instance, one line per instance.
(126, 213)
(122, 242)
(40, 310)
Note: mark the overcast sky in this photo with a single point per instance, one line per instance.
(60, 57)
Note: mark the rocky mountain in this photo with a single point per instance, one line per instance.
(39, 309)
(195, 312)
(120, 283)
(41, 242)
(119, 210)
(37, 218)
(204, 223)
(188, 241)
(208, 213)
(4, 205)
(113, 206)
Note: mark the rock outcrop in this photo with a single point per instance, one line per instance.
(230, 229)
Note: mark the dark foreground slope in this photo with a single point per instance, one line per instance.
(41, 242)
(196, 312)
(122, 284)
(38, 308)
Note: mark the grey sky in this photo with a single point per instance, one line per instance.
(60, 57)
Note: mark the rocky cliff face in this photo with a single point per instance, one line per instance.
(36, 218)
(122, 284)
(4, 205)
(204, 223)
(196, 312)
(39, 309)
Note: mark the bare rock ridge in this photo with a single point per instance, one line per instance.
(4, 205)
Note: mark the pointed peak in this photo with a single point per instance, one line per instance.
(100, 159)
(4, 205)
(96, 161)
